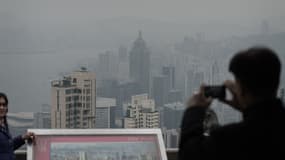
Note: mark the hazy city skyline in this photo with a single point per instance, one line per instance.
(148, 57)
(37, 36)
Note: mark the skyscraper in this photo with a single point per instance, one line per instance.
(172, 114)
(169, 71)
(193, 82)
(123, 54)
(123, 66)
(105, 112)
(74, 100)
(160, 90)
(107, 67)
(140, 64)
(42, 119)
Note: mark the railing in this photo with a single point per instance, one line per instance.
(171, 154)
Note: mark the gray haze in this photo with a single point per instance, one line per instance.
(42, 39)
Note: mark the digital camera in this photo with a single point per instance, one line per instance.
(215, 91)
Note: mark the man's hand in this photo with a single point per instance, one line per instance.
(198, 99)
(235, 91)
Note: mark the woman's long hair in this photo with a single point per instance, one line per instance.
(3, 95)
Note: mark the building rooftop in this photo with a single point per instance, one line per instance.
(105, 102)
(175, 106)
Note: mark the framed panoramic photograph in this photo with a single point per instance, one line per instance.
(97, 144)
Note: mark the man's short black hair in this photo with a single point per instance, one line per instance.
(258, 69)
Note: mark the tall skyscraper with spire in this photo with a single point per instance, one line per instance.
(140, 64)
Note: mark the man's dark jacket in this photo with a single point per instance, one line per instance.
(261, 135)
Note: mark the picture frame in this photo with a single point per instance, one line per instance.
(97, 144)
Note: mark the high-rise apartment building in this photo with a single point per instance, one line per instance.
(105, 112)
(74, 100)
(141, 113)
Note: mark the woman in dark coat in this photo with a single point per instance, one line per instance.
(7, 143)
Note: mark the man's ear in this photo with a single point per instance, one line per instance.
(242, 89)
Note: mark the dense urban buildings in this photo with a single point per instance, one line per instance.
(161, 88)
(179, 48)
(73, 100)
(141, 113)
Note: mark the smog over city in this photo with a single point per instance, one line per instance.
(161, 48)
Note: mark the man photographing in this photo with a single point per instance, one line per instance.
(261, 133)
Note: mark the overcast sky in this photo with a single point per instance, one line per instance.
(232, 11)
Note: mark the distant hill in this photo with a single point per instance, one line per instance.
(107, 33)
